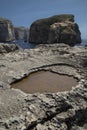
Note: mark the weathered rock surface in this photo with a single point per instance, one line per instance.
(66, 32)
(56, 29)
(6, 48)
(47, 111)
(6, 30)
(21, 33)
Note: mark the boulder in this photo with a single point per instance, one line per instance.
(56, 29)
(21, 33)
(6, 30)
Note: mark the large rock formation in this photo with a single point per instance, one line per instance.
(6, 30)
(21, 33)
(56, 29)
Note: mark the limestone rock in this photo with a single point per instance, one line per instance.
(56, 29)
(21, 33)
(64, 32)
(5, 48)
(6, 30)
(45, 111)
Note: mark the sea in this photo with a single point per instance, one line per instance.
(83, 43)
(23, 45)
(26, 45)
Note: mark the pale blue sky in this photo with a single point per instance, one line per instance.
(24, 12)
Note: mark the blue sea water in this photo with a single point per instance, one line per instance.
(26, 45)
(83, 43)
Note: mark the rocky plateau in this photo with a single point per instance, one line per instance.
(65, 110)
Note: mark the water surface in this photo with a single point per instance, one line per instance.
(45, 81)
(26, 45)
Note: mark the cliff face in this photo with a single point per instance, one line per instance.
(64, 32)
(21, 33)
(56, 29)
(6, 30)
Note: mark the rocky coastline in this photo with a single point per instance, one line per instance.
(40, 111)
(66, 110)
(9, 33)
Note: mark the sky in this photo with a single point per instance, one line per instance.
(24, 12)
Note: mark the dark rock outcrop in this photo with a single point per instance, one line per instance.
(56, 29)
(6, 48)
(6, 30)
(21, 33)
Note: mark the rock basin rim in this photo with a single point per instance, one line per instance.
(43, 81)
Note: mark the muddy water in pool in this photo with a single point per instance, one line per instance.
(45, 81)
